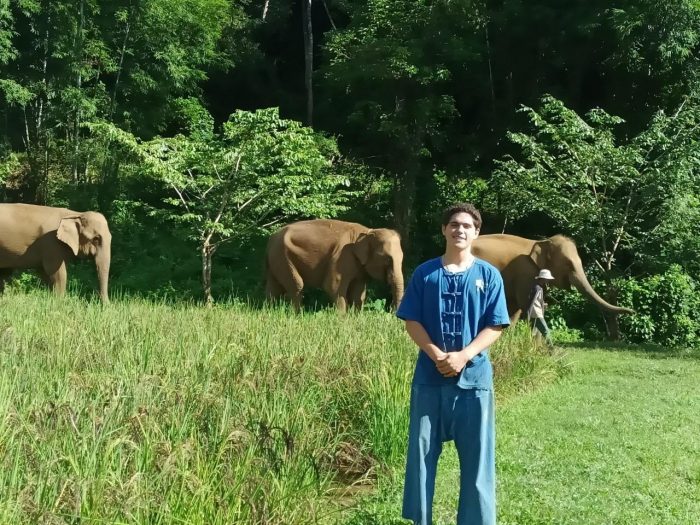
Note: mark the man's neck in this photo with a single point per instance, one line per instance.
(460, 259)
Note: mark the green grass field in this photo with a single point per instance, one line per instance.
(616, 441)
(141, 412)
(151, 413)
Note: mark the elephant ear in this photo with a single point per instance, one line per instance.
(68, 233)
(540, 253)
(361, 248)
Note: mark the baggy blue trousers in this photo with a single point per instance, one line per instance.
(445, 413)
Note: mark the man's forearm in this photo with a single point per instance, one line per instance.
(483, 339)
(419, 336)
(453, 363)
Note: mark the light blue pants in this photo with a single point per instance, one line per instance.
(445, 413)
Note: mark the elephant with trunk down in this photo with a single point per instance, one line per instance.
(519, 260)
(45, 238)
(336, 256)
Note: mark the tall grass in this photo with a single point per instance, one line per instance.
(149, 413)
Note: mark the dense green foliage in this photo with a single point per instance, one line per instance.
(577, 119)
(612, 198)
(625, 204)
(259, 171)
(668, 308)
(147, 413)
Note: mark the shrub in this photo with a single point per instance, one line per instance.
(570, 311)
(561, 333)
(667, 306)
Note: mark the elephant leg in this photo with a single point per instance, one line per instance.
(341, 295)
(515, 317)
(292, 284)
(357, 291)
(295, 292)
(273, 289)
(5, 274)
(522, 295)
(341, 303)
(55, 275)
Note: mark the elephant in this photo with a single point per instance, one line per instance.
(46, 238)
(334, 255)
(519, 260)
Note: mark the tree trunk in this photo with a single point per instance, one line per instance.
(113, 102)
(308, 60)
(612, 326)
(78, 43)
(207, 253)
(404, 201)
(37, 188)
(612, 319)
(491, 85)
(107, 176)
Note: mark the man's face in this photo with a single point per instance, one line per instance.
(460, 231)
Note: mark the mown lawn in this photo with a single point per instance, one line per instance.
(616, 441)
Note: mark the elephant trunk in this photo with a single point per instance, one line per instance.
(102, 262)
(580, 282)
(395, 280)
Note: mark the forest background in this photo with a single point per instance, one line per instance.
(199, 126)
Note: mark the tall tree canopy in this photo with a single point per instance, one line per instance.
(423, 98)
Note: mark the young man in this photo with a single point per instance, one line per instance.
(454, 309)
(535, 312)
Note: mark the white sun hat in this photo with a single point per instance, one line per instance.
(545, 274)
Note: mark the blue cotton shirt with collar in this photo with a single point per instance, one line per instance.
(453, 308)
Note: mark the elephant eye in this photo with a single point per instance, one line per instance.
(97, 240)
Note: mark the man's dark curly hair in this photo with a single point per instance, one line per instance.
(462, 207)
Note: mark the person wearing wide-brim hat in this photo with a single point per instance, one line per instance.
(535, 312)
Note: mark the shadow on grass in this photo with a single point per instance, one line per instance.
(648, 350)
(82, 283)
(28, 282)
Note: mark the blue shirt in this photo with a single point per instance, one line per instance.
(453, 308)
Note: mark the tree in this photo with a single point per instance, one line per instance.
(608, 194)
(654, 47)
(671, 145)
(391, 75)
(258, 171)
(66, 62)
